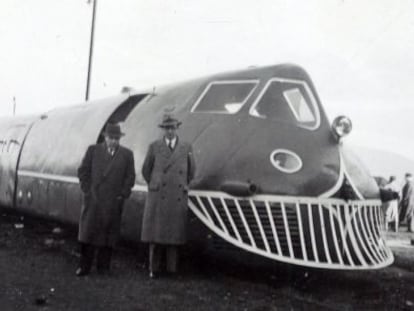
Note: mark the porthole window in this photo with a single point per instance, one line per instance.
(286, 161)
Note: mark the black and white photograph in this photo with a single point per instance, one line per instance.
(206, 155)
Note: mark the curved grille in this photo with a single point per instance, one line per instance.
(321, 233)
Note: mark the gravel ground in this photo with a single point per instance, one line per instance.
(37, 273)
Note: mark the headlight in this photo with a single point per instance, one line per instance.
(341, 126)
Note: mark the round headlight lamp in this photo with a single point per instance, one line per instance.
(341, 126)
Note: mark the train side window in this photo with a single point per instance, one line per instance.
(281, 98)
(226, 97)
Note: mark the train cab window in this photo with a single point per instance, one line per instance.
(226, 97)
(284, 98)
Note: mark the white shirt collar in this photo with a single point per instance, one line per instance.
(173, 141)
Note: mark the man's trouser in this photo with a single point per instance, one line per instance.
(103, 257)
(155, 256)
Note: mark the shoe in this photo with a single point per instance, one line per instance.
(81, 272)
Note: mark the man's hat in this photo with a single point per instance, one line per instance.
(168, 120)
(113, 130)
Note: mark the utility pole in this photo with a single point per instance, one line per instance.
(14, 105)
(91, 48)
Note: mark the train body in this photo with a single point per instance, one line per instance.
(272, 178)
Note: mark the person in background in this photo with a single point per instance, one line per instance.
(106, 176)
(168, 169)
(407, 203)
(391, 207)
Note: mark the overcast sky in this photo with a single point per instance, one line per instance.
(360, 54)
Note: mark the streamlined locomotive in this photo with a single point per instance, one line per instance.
(273, 176)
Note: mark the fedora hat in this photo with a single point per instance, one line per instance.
(113, 130)
(168, 120)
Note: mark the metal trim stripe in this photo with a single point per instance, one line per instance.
(54, 177)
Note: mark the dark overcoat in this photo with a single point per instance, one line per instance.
(106, 181)
(167, 174)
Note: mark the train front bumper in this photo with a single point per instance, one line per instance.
(313, 232)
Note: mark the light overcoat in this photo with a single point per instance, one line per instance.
(407, 202)
(106, 180)
(167, 174)
(391, 207)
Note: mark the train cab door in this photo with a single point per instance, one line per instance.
(11, 141)
(122, 112)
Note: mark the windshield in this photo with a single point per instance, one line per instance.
(282, 99)
(225, 96)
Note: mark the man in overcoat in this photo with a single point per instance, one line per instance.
(391, 207)
(106, 176)
(407, 202)
(168, 169)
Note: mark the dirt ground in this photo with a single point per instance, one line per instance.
(37, 273)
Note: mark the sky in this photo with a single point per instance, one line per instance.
(358, 53)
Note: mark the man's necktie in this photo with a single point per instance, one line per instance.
(170, 145)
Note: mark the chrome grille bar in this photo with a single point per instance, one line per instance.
(373, 237)
(366, 237)
(357, 230)
(331, 220)
(273, 227)
(302, 238)
(323, 229)
(286, 225)
(203, 208)
(380, 228)
(355, 247)
(213, 208)
(246, 226)
(312, 232)
(233, 225)
(259, 223)
(343, 237)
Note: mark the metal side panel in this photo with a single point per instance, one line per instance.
(58, 141)
(12, 135)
